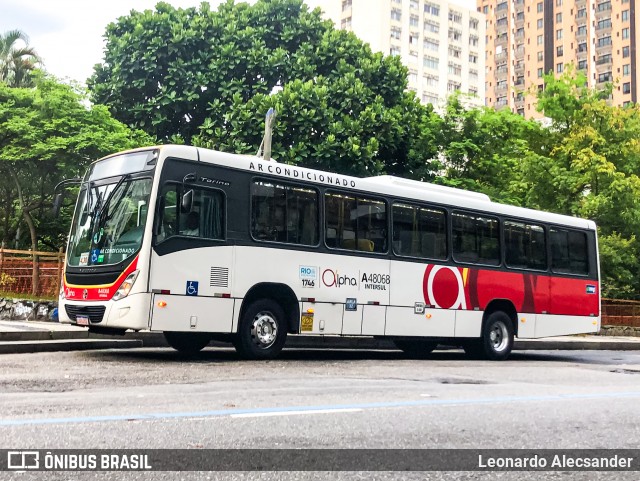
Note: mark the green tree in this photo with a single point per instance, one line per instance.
(47, 133)
(207, 77)
(588, 166)
(483, 149)
(17, 59)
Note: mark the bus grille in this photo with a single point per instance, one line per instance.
(219, 277)
(94, 313)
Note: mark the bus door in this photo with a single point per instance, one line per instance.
(190, 273)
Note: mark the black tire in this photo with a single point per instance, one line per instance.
(262, 331)
(496, 342)
(417, 348)
(187, 342)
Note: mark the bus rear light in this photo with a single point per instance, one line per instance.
(373, 303)
(162, 304)
(224, 295)
(165, 291)
(308, 299)
(125, 287)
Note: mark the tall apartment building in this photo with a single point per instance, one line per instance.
(528, 38)
(441, 43)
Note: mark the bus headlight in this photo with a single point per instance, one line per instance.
(125, 287)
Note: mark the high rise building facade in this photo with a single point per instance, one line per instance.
(528, 38)
(441, 43)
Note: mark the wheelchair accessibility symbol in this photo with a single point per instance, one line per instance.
(192, 288)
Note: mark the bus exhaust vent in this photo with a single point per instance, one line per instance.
(219, 277)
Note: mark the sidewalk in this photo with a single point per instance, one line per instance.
(40, 336)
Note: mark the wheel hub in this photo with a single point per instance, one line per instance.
(264, 330)
(499, 337)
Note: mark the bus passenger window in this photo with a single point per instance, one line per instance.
(476, 239)
(284, 213)
(355, 223)
(569, 254)
(419, 231)
(525, 246)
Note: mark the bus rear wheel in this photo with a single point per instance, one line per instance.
(416, 347)
(262, 330)
(496, 342)
(187, 342)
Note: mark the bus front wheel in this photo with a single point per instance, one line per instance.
(187, 342)
(496, 342)
(262, 330)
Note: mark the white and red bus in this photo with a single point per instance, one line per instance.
(205, 245)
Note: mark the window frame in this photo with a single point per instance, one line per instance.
(275, 181)
(355, 195)
(497, 217)
(187, 187)
(418, 205)
(527, 222)
(568, 272)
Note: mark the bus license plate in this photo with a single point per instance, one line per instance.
(82, 320)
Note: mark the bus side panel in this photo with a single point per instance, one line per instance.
(327, 318)
(468, 323)
(332, 280)
(550, 325)
(407, 314)
(373, 320)
(191, 282)
(192, 314)
(579, 297)
(404, 321)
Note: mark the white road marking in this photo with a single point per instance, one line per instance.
(294, 413)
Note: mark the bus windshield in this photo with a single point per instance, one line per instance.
(109, 222)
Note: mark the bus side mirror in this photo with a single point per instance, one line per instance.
(57, 203)
(187, 201)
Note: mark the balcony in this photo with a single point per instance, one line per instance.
(604, 60)
(603, 27)
(602, 47)
(581, 33)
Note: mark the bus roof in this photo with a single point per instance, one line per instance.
(384, 185)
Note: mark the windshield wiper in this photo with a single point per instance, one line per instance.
(107, 201)
(102, 218)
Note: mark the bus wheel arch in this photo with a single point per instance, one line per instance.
(265, 317)
(506, 306)
(280, 293)
(499, 327)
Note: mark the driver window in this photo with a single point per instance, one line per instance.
(204, 220)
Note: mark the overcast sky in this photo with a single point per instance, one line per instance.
(68, 33)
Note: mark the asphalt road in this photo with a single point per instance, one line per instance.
(154, 398)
